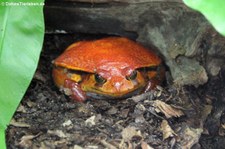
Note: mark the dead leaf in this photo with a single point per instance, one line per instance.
(59, 133)
(30, 104)
(140, 107)
(148, 95)
(91, 147)
(107, 145)
(67, 91)
(144, 145)
(77, 147)
(221, 131)
(223, 126)
(18, 124)
(67, 123)
(91, 121)
(189, 136)
(167, 130)
(130, 146)
(168, 110)
(139, 119)
(205, 112)
(159, 91)
(112, 111)
(21, 108)
(129, 132)
(61, 142)
(26, 141)
(38, 75)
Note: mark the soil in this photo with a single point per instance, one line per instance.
(167, 117)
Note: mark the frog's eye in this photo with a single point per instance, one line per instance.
(99, 79)
(132, 76)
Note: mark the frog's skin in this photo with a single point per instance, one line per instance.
(113, 67)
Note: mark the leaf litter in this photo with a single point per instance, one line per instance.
(166, 117)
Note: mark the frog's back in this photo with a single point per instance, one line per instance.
(89, 55)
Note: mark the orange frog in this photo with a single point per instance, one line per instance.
(113, 67)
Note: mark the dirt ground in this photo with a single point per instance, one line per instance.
(165, 118)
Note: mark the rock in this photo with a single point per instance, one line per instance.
(189, 45)
(188, 71)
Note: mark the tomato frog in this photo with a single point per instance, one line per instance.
(112, 67)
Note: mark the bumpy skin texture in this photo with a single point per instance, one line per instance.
(112, 67)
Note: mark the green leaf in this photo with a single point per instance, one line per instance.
(213, 10)
(21, 38)
(2, 138)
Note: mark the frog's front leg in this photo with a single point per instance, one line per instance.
(75, 90)
(155, 78)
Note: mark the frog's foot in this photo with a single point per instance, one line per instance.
(75, 91)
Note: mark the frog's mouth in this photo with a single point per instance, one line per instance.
(101, 95)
